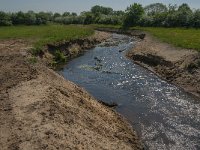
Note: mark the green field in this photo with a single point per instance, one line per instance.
(42, 35)
(179, 37)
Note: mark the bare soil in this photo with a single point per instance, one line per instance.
(176, 65)
(41, 110)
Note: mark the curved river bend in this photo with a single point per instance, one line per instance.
(164, 116)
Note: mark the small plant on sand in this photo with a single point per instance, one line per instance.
(32, 60)
(37, 51)
(192, 66)
(59, 57)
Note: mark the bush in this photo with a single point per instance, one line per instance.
(59, 57)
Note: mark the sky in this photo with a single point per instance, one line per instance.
(80, 5)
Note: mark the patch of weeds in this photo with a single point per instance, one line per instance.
(59, 57)
(37, 51)
(192, 66)
(32, 60)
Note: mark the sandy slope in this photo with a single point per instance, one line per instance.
(176, 65)
(41, 110)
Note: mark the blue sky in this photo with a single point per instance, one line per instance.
(79, 5)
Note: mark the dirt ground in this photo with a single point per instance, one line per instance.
(41, 110)
(178, 66)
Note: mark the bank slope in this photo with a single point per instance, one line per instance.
(41, 110)
(177, 65)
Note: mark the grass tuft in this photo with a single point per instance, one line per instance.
(59, 57)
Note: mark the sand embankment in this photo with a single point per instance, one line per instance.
(41, 110)
(176, 65)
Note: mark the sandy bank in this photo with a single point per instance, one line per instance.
(178, 66)
(41, 110)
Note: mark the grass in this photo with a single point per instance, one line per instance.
(45, 34)
(179, 37)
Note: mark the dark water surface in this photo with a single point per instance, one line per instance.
(164, 116)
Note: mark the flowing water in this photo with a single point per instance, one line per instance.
(164, 116)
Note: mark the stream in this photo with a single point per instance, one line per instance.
(163, 115)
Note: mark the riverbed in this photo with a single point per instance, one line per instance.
(164, 116)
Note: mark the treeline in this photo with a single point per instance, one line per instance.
(156, 15)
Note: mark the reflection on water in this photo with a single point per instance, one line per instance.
(164, 116)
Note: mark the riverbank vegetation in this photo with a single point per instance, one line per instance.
(45, 34)
(174, 24)
(180, 37)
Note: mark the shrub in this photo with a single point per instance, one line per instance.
(59, 57)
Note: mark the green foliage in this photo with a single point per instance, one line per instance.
(101, 10)
(158, 15)
(5, 19)
(133, 15)
(66, 14)
(154, 9)
(56, 15)
(59, 57)
(30, 18)
(109, 19)
(37, 51)
(196, 19)
(153, 15)
(180, 37)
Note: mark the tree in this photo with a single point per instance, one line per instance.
(5, 19)
(101, 10)
(89, 17)
(55, 15)
(74, 14)
(30, 18)
(65, 14)
(118, 13)
(184, 16)
(133, 15)
(18, 18)
(42, 18)
(196, 19)
(156, 8)
(156, 13)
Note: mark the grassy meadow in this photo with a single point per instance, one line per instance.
(44, 34)
(179, 37)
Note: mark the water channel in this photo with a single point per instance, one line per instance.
(164, 116)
